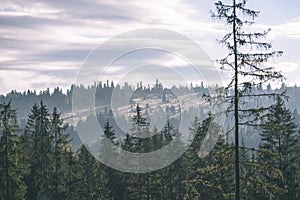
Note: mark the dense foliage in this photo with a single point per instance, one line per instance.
(38, 162)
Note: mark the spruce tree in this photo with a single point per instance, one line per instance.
(279, 147)
(137, 143)
(115, 183)
(138, 122)
(247, 53)
(61, 144)
(13, 167)
(92, 183)
(72, 175)
(39, 140)
(213, 177)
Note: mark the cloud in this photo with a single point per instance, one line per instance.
(51, 38)
(286, 66)
(28, 79)
(290, 28)
(287, 29)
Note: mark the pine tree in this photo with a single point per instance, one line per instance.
(247, 53)
(40, 147)
(72, 175)
(92, 183)
(213, 175)
(13, 167)
(193, 160)
(168, 183)
(115, 183)
(297, 160)
(137, 143)
(279, 142)
(167, 135)
(61, 144)
(138, 122)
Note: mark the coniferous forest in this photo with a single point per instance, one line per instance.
(256, 154)
(40, 158)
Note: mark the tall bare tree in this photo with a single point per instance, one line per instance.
(248, 53)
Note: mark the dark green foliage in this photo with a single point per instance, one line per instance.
(40, 164)
(48, 150)
(115, 182)
(279, 148)
(61, 145)
(212, 176)
(13, 167)
(91, 178)
(40, 148)
(139, 122)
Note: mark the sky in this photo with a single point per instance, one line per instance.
(43, 44)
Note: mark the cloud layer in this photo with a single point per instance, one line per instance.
(44, 43)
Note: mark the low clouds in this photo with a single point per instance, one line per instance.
(286, 29)
(287, 66)
(41, 36)
(290, 70)
(43, 43)
(289, 29)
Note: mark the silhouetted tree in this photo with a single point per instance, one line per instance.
(13, 167)
(247, 53)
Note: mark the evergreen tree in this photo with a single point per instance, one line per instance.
(115, 183)
(138, 121)
(167, 183)
(137, 143)
(61, 143)
(72, 175)
(213, 176)
(13, 167)
(279, 147)
(39, 140)
(92, 183)
(247, 53)
(168, 174)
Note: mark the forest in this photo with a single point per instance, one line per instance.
(38, 161)
(45, 143)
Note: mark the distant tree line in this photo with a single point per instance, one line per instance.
(62, 100)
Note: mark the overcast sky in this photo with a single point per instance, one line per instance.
(44, 43)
